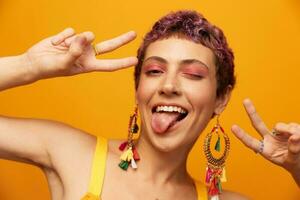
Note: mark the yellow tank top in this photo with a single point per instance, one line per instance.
(98, 170)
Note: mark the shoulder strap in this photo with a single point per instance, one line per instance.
(98, 169)
(201, 190)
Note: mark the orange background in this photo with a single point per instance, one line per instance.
(263, 34)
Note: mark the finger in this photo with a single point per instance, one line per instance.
(112, 44)
(76, 48)
(60, 37)
(287, 129)
(294, 144)
(295, 128)
(246, 139)
(112, 64)
(294, 124)
(256, 121)
(88, 35)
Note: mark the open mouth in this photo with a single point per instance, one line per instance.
(164, 117)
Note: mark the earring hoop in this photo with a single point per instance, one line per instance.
(215, 171)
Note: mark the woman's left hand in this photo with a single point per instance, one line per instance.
(281, 145)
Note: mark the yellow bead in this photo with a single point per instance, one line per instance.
(223, 176)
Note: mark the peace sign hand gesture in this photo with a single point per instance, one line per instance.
(281, 146)
(68, 54)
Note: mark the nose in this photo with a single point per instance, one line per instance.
(170, 86)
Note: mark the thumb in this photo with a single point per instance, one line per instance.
(294, 144)
(76, 48)
(293, 157)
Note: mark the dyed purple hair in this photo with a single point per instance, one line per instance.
(192, 26)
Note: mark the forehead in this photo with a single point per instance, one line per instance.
(174, 50)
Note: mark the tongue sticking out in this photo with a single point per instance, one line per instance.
(162, 121)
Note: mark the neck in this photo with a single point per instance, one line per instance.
(162, 167)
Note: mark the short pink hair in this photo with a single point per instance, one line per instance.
(193, 26)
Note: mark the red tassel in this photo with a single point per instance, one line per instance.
(208, 175)
(213, 189)
(136, 155)
(123, 146)
(222, 129)
(214, 128)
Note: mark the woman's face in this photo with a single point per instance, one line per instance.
(176, 95)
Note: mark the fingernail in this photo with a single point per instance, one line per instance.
(247, 100)
(55, 40)
(133, 33)
(234, 127)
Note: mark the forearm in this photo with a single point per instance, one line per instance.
(15, 71)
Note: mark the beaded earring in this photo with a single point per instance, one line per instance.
(130, 156)
(215, 170)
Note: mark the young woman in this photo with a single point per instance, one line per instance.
(184, 76)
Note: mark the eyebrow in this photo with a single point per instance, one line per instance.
(185, 61)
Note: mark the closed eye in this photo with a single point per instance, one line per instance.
(154, 72)
(194, 76)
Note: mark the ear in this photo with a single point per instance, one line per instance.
(222, 101)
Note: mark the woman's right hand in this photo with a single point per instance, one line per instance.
(68, 54)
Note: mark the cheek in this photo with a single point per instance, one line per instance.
(145, 90)
(201, 95)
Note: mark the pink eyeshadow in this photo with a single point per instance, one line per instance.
(195, 69)
(153, 67)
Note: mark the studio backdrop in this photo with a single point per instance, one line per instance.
(264, 36)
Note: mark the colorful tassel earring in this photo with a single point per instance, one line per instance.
(215, 170)
(130, 155)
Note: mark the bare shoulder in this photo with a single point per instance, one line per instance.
(63, 152)
(67, 144)
(229, 195)
(71, 151)
(67, 135)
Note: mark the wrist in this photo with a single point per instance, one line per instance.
(15, 71)
(30, 73)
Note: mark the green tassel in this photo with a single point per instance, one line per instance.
(218, 144)
(219, 185)
(121, 164)
(124, 165)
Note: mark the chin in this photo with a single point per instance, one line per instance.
(171, 142)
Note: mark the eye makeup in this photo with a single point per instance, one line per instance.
(190, 67)
(153, 69)
(195, 70)
(154, 66)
